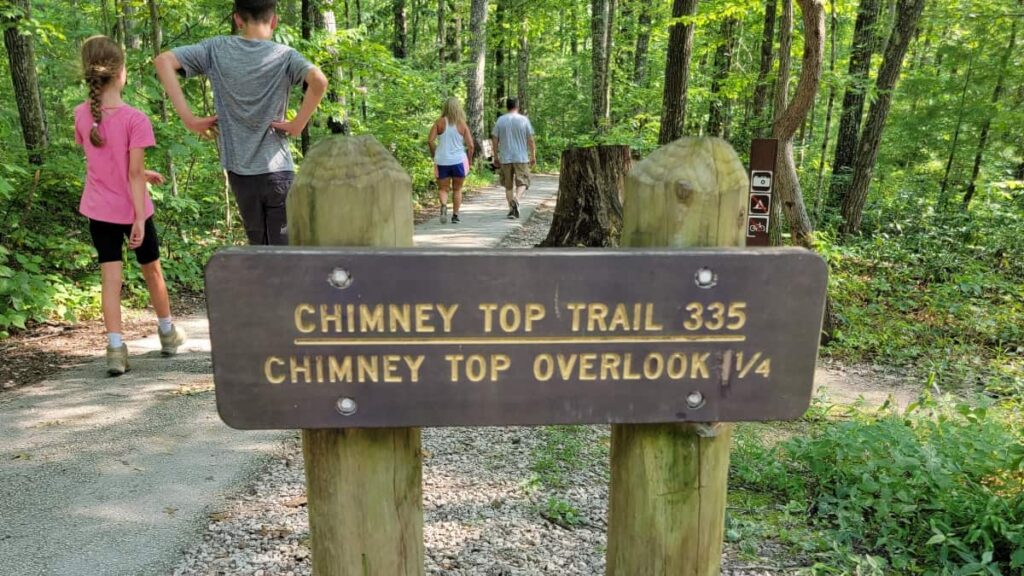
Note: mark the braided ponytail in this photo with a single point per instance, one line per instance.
(102, 61)
(95, 91)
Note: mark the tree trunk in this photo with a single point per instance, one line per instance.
(818, 196)
(779, 103)
(156, 41)
(767, 40)
(786, 123)
(500, 91)
(956, 134)
(908, 14)
(337, 122)
(523, 68)
(442, 40)
(853, 100)
(308, 18)
(677, 73)
(719, 109)
(589, 209)
(986, 125)
(599, 31)
(454, 36)
(643, 42)
(22, 60)
(574, 43)
(477, 69)
(399, 44)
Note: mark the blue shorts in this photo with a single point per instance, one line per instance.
(453, 171)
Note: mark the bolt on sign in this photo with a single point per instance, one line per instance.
(338, 338)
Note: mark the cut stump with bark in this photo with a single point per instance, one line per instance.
(590, 188)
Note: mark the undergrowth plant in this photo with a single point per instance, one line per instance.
(937, 489)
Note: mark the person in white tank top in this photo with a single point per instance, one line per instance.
(451, 146)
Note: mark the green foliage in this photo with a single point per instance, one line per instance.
(943, 294)
(937, 489)
(562, 513)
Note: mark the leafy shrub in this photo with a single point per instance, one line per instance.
(938, 489)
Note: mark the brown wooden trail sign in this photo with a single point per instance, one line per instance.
(668, 481)
(340, 338)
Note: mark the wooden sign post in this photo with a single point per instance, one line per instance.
(364, 486)
(666, 508)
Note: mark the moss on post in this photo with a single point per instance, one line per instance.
(364, 486)
(667, 499)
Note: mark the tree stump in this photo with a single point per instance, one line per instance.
(666, 504)
(364, 485)
(589, 208)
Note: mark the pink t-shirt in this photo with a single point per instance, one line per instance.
(108, 194)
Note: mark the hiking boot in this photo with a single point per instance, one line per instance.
(170, 341)
(455, 218)
(444, 213)
(511, 214)
(515, 209)
(117, 360)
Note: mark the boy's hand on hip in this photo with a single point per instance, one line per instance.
(153, 177)
(138, 234)
(205, 127)
(290, 128)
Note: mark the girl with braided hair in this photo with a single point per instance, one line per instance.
(114, 137)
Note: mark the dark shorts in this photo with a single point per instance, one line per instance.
(109, 240)
(453, 171)
(261, 200)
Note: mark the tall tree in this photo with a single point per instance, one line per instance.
(500, 89)
(986, 125)
(767, 42)
(600, 31)
(477, 69)
(643, 42)
(523, 68)
(677, 72)
(864, 43)
(22, 59)
(908, 13)
(399, 44)
(779, 102)
(156, 40)
(718, 113)
(818, 196)
(787, 185)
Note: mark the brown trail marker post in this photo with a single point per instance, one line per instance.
(666, 505)
(364, 486)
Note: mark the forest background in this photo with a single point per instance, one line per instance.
(906, 120)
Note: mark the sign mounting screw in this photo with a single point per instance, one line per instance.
(706, 278)
(346, 406)
(695, 400)
(340, 278)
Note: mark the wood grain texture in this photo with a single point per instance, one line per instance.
(364, 486)
(666, 505)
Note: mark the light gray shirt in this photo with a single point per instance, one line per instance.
(512, 130)
(251, 82)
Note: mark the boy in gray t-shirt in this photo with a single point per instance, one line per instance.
(252, 78)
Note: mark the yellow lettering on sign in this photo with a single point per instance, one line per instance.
(534, 313)
(340, 370)
(447, 313)
(414, 363)
(423, 318)
(300, 323)
(268, 370)
(576, 308)
(368, 368)
(488, 310)
(371, 319)
(400, 317)
(327, 317)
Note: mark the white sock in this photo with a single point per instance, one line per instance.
(165, 324)
(114, 339)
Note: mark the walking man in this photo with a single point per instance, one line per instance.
(516, 154)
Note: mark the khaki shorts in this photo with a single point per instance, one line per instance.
(515, 175)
